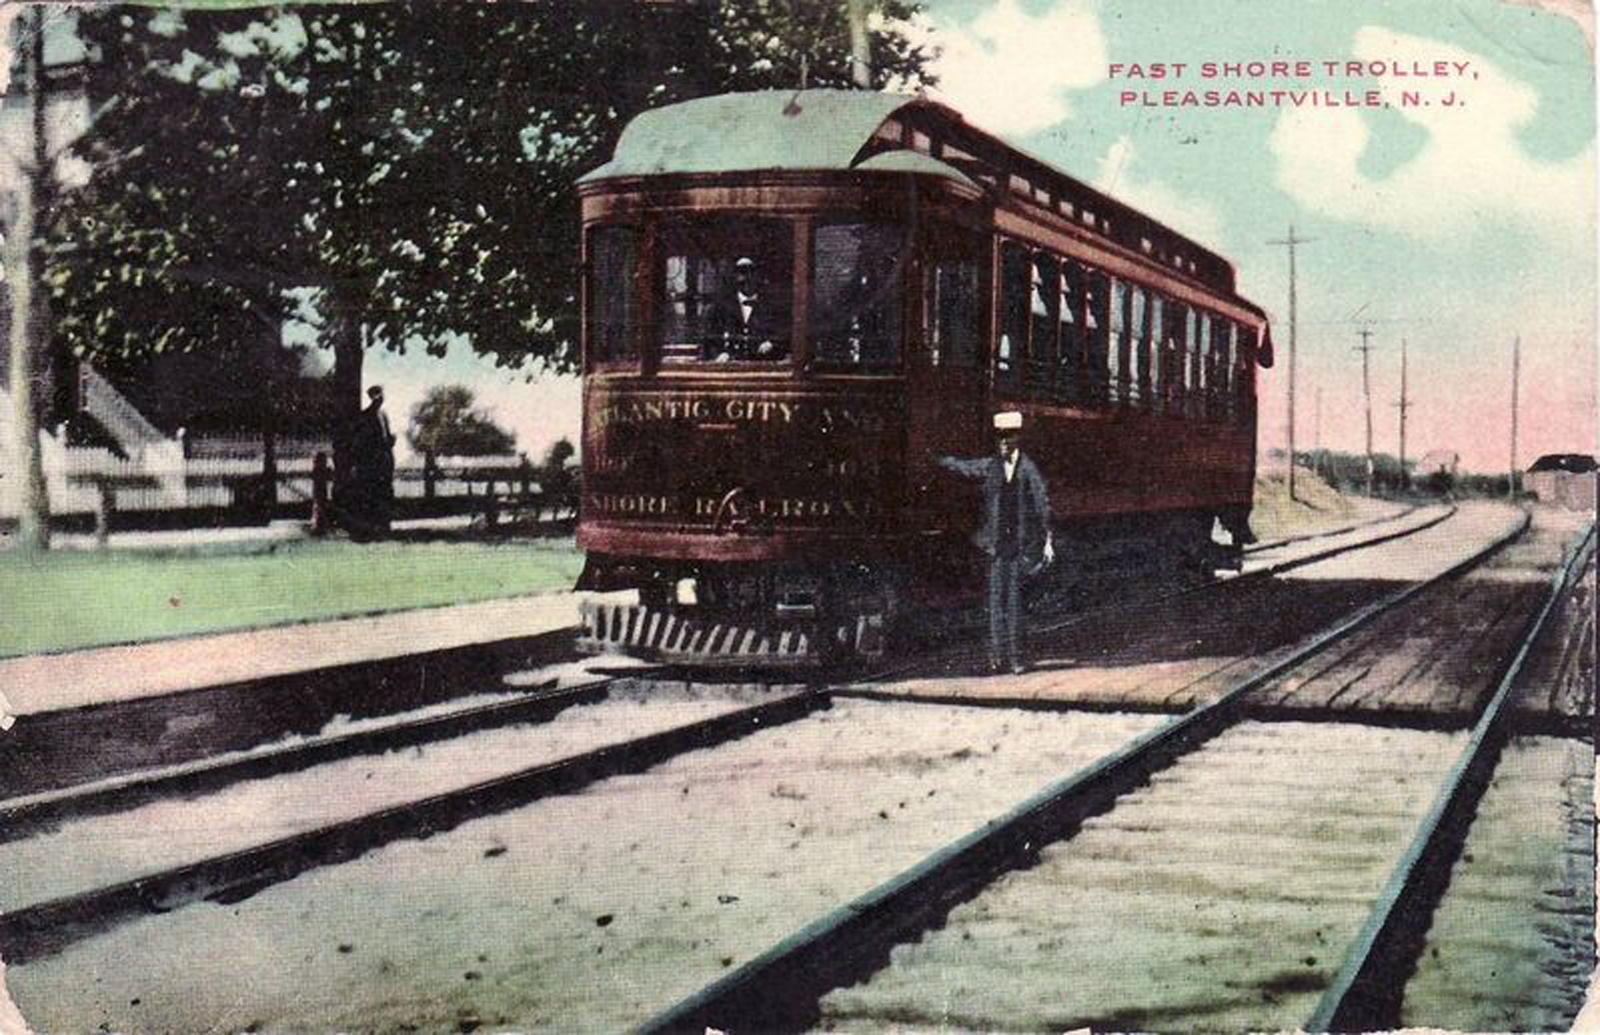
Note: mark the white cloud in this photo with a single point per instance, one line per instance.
(1188, 215)
(1470, 169)
(1009, 71)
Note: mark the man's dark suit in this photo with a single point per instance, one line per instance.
(748, 328)
(1014, 532)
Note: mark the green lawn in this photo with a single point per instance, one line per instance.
(65, 600)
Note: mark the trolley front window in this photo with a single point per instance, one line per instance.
(726, 286)
(856, 294)
(613, 293)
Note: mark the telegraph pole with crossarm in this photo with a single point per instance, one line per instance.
(1365, 348)
(1291, 241)
(1403, 405)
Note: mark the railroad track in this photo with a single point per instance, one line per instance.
(1273, 544)
(21, 815)
(44, 927)
(782, 988)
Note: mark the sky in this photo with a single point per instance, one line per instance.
(1456, 229)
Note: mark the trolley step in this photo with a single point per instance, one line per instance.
(641, 631)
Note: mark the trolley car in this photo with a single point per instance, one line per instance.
(794, 301)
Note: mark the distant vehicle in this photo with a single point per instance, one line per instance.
(1436, 471)
(1563, 479)
(795, 300)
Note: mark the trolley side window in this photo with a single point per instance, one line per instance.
(1044, 301)
(1243, 375)
(1015, 293)
(727, 287)
(856, 296)
(1070, 314)
(1173, 349)
(1193, 381)
(1221, 368)
(957, 313)
(1098, 342)
(613, 293)
(1139, 354)
(1120, 346)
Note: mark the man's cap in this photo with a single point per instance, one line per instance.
(1010, 420)
(744, 262)
(374, 390)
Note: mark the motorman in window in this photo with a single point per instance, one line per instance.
(1015, 534)
(749, 323)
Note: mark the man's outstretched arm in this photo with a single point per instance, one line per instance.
(964, 468)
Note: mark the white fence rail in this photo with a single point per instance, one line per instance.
(162, 478)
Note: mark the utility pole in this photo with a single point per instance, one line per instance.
(1365, 348)
(1317, 434)
(1516, 372)
(860, 49)
(1291, 241)
(30, 321)
(1404, 404)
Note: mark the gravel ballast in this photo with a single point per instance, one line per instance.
(95, 851)
(584, 912)
(1221, 897)
(1512, 943)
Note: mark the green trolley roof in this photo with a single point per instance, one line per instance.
(764, 130)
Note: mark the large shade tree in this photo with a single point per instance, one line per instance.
(409, 165)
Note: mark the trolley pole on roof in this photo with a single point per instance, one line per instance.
(1516, 371)
(1291, 241)
(1365, 348)
(1403, 405)
(860, 49)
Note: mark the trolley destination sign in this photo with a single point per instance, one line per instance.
(734, 508)
(738, 409)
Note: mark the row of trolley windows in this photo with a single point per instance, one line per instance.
(1068, 332)
(726, 292)
(1073, 334)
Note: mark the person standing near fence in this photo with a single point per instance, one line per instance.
(372, 448)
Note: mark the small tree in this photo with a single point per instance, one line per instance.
(445, 423)
(555, 478)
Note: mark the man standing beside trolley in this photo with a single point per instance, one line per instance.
(1015, 533)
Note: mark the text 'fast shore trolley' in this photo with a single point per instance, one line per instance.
(794, 301)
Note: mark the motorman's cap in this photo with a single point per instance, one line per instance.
(1010, 420)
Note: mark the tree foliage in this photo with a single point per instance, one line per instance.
(446, 423)
(411, 164)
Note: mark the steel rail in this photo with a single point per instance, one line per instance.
(780, 989)
(25, 814)
(1273, 544)
(1369, 989)
(53, 740)
(1257, 575)
(44, 928)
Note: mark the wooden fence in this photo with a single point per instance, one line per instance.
(165, 487)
